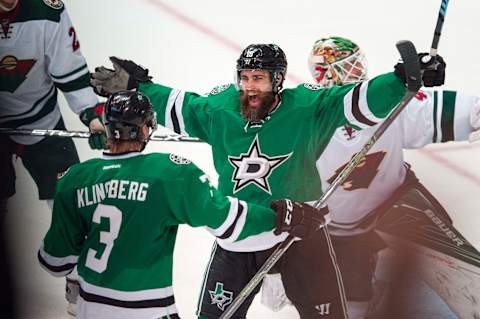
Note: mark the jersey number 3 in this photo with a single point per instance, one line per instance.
(114, 216)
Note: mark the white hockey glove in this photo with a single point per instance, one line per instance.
(298, 219)
(126, 75)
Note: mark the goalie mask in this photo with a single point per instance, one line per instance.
(337, 61)
(268, 57)
(126, 112)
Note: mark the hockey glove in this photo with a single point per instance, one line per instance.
(126, 75)
(298, 219)
(92, 118)
(433, 70)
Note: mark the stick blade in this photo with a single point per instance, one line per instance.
(412, 65)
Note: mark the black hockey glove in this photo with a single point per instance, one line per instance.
(126, 75)
(433, 70)
(298, 219)
(92, 118)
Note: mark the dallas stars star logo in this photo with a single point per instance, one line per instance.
(254, 167)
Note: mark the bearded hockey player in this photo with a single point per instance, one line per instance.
(102, 205)
(265, 143)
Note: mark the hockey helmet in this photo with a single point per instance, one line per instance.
(337, 61)
(268, 57)
(126, 112)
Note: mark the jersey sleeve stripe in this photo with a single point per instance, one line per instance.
(448, 115)
(435, 108)
(70, 75)
(173, 112)
(56, 266)
(231, 217)
(356, 107)
(239, 223)
(76, 84)
(231, 229)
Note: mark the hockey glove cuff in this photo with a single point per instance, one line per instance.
(92, 118)
(433, 70)
(298, 219)
(126, 75)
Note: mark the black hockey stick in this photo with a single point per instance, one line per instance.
(414, 83)
(81, 134)
(438, 27)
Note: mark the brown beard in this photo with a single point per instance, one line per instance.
(256, 114)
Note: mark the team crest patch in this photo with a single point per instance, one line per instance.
(220, 297)
(219, 89)
(179, 160)
(313, 87)
(255, 167)
(54, 4)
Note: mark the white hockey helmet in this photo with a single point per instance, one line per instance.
(337, 61)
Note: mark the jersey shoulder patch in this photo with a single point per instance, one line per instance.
(219, 89)
(312, 87)
(179, 160)
(54, 4)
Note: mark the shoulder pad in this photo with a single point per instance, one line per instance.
(313, 87)
(54, 4)
(179, 160)
(219, 89)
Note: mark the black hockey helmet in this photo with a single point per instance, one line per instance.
(126, 112)
(269, 57)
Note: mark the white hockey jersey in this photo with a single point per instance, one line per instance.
(40, 53)
(431, 117)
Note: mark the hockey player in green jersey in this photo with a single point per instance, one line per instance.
(116, 217)
(265, 143)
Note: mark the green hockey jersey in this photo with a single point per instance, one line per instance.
(116, 218)
(276, 158)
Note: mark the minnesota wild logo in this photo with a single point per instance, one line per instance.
(13, 72)
(363, 174)
(220, 297)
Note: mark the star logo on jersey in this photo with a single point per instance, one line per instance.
(254, 167)
(13, 72)
(363, 174)
(220, 297)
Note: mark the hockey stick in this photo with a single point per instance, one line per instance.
(414, 82)
(81, 134)
(438, 27)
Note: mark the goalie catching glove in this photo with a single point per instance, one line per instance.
(126, 75)
(433, 70)
(298, 219)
